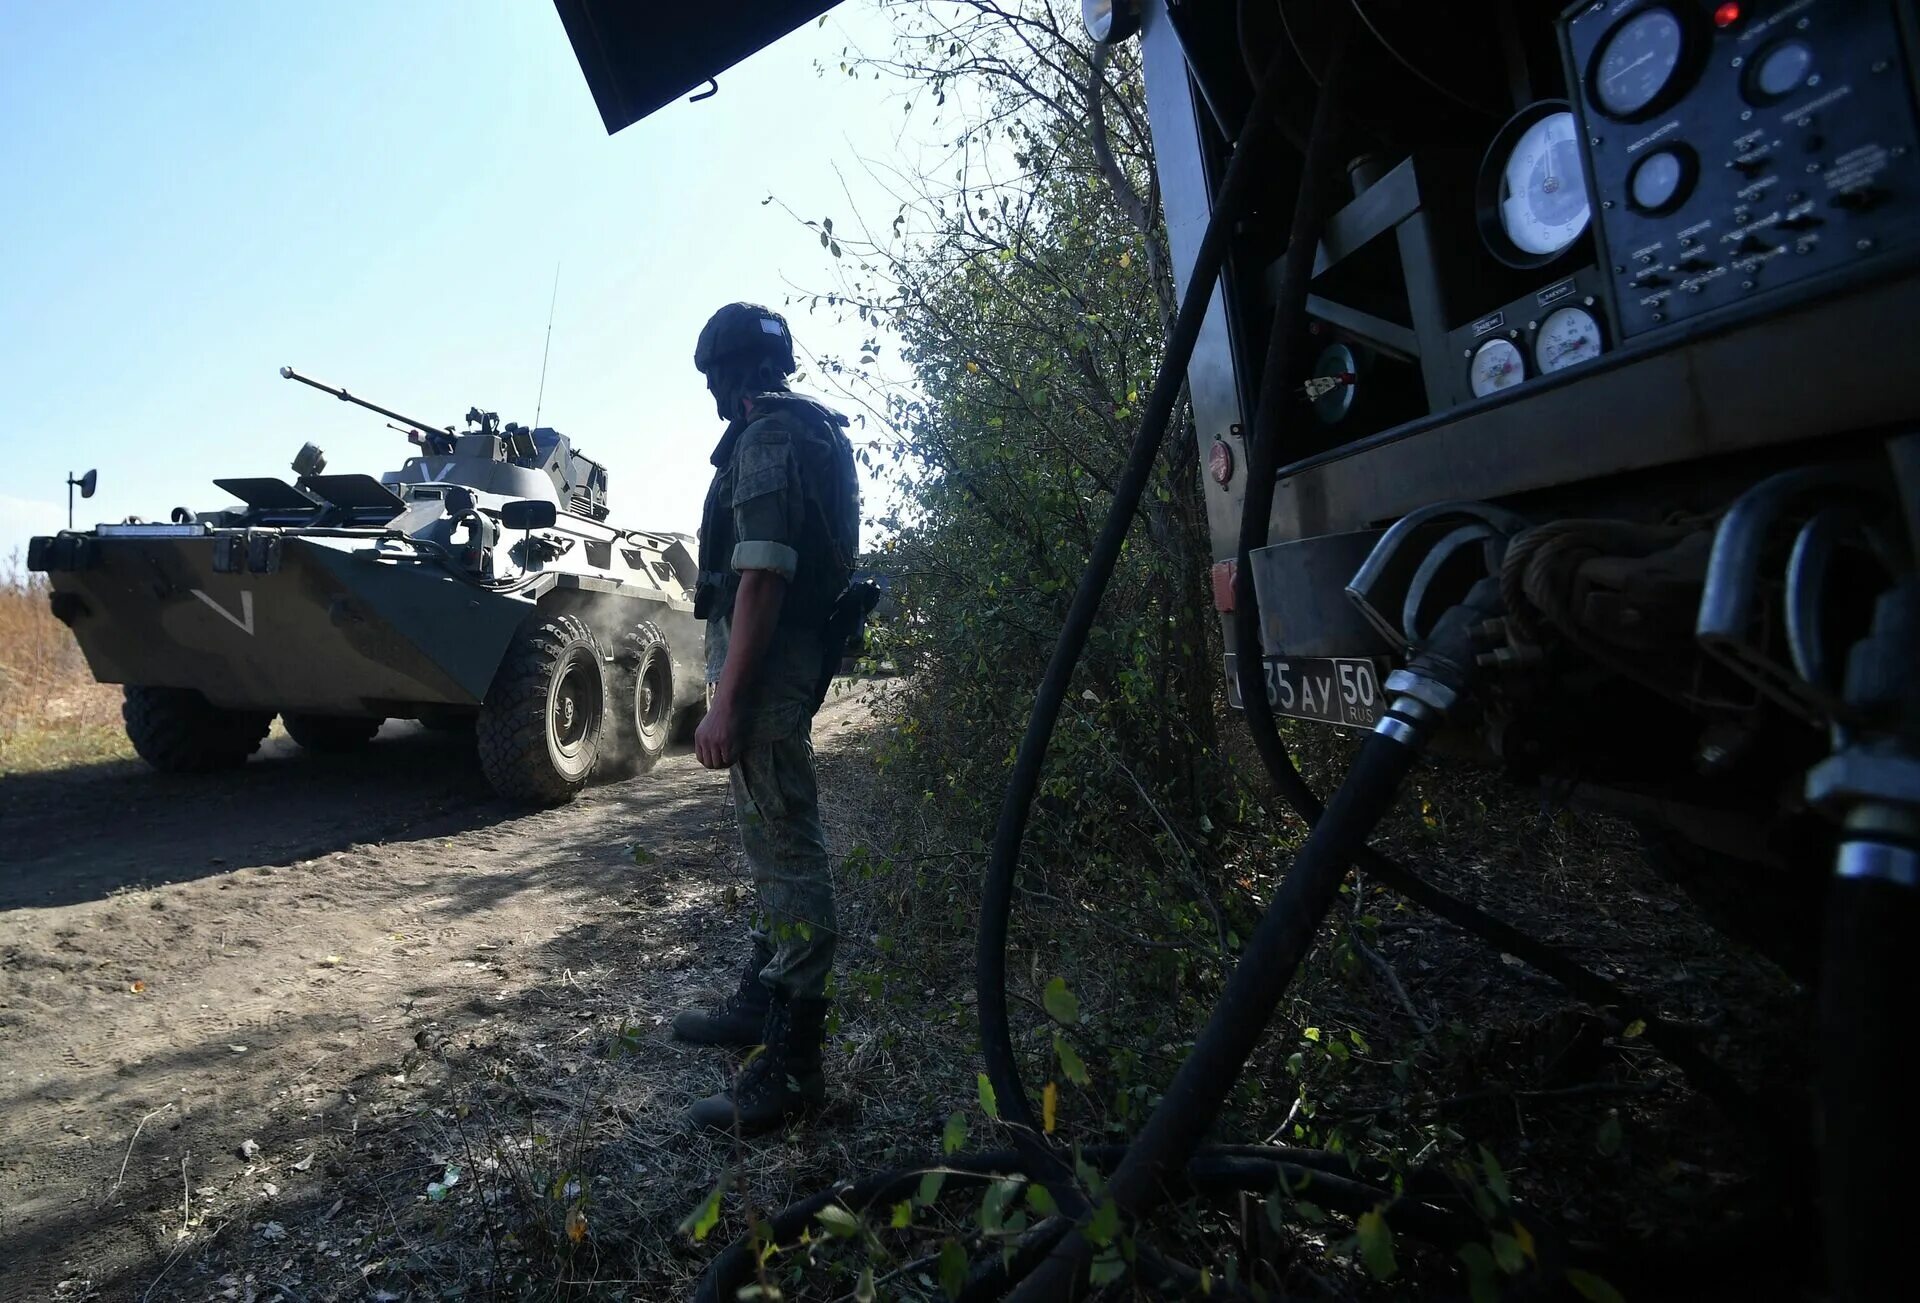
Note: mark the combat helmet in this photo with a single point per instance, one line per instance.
(744, 336)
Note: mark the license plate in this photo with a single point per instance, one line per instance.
(1332, 690)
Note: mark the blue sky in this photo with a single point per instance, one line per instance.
(377, 194)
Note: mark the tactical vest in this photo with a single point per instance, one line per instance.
(829, 542)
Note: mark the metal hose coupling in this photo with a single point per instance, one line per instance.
(1871, 782)
(1436, 679)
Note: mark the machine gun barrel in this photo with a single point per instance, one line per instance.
(288, 373)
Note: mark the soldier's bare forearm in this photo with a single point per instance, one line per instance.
(756, 613)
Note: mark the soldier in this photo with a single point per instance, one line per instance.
(778, 542)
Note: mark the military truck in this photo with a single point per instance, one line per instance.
(478, 587)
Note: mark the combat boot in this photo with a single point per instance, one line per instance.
(782, 1081)
(740, 1018)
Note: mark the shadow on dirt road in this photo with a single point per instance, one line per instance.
(216, 993)
(83, 834)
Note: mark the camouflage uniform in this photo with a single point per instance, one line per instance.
(781, 474)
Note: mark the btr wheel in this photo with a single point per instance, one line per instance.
(331, 733)
(539, 731)
(177, 730)
(642, 703)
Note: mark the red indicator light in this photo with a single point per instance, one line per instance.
(1727, 14)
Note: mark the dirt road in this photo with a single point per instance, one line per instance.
(193, 973)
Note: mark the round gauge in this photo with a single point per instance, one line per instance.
(1496, 365)
(1110, 20)
(1661, 182)
(1567, 337)
(1779, 71)
(1533, 192)
(1638, 63)
(1332, 407)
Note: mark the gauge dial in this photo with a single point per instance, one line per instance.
(1567, 337)
(1543, 192)
(1333, 406)
(1496, 365)
(1637, 62)
(1107, 21)
(1661, 181)
(1779, 71)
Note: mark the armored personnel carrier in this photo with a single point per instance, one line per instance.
(478, 587)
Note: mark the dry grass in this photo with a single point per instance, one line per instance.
(52, 713)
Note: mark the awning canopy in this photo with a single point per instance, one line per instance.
(639, 55)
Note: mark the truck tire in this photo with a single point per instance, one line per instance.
(642, 692)
(178, 731)
(331, 733)
(540, 729)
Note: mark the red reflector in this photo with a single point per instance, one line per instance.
(1220, 462)
(1727, 14)
(1223, 572)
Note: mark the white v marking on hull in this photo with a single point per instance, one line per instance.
(244, 622)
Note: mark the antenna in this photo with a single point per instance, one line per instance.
(546, 351)
(85, 483)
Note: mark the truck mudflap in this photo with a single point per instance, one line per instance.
(280, 621)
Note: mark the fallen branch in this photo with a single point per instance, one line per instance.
(1379, 961)
(120, 1179)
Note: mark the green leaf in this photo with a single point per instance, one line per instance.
(902, 1215)
(993, 1204)
(1040, 1199)
(1311, 1033)
(1106, 1268)
(1506, 1252)
(1104, 1225)
(1481, 1283)
(840, 1223)
(930, 1188)
(1359, 1042)
(863, 1291)
(1376, 1245)
(1072, 1066)
(1593, 1288)
(1607, 1140)
(1062, 1005)
(956, 1133)
(989, 1103)
(700, 1222)
(953, 1269)
(1496, 1179)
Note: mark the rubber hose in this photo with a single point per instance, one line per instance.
(996, 896)
(1868, 1130)
(1272, 957)
(1269, 962)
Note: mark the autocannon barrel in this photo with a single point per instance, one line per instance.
(288, 373)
